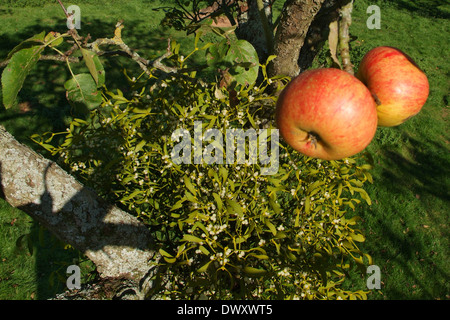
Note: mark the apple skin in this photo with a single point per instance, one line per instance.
(397, 83)
(327, 114)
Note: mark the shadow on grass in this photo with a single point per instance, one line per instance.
(408, 226)
(42, 105)
(51, 259)
(427, 169)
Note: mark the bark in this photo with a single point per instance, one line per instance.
(114, 240)
(318, 32)
(255, 26)
(295, 20)
(344, 36)
(301, 34)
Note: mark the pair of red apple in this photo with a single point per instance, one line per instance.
(331, 114)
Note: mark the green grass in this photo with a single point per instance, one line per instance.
(406, 226)
(32, 261)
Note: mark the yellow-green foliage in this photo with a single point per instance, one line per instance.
(224, 230)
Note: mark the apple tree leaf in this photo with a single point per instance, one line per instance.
(94, 65)
(238, 58)
(82, 91)
(244, 58)
(215, 55)
(36, 40)
(20, 65)
(53, 39)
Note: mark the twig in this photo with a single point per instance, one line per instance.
(157, 62)
(61, 58)
(344, 36)
(64, 9)
(116, 40)
(126, 51)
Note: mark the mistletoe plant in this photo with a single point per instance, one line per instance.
(224, 229)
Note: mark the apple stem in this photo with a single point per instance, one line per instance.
(313, 138)
(377, 100)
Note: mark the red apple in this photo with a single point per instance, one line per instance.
(398, 85)
(327, 114)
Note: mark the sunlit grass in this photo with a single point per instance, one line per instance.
(407, 225)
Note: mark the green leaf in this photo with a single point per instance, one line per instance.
(358, 237)
(235, 207)
(132, 195)
(274, 205)
(243, 56)
(204, 250)
(181, 249)
(369, 257)
(307, 205)
(94, 65)
(364, 195)
(215, 55)
(204, 267)
(36, 40)
(260, 256)
(339, 190)
(190, 197)
(82, 90)
(240, 240)
(254, 271)
(198, 34)
(139, 146)
(165, 253)
(189, 185)
(223, 172)
(270, 58)
(13, 77)
(191, 238)
(353, 220)
(239, 57)
(218, 201)
(314, 186)
(178, 204)
(358, 260)
(170, 260)
(53, 39)
(297, 218)
(271, 227)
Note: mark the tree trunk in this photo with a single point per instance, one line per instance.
(301, 34)
(318, 32)
(295, 20)
(114, 240)
(255, 26)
